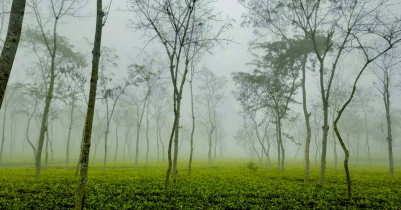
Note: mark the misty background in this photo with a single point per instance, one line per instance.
(132, 47)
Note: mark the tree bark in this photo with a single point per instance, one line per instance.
(80, 195)
(11, 44)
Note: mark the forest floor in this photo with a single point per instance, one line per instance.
(223, 185)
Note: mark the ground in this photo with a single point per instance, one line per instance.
(223, 185)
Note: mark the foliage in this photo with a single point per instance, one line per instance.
(251, 166)
(225, 186)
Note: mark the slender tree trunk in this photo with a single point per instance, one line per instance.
(306, 113)
(138, 129)
(281, 145)
(11, 136)
(278, 146)
(357, 149)
(3, 138)
(177, 131)
(147, 133)
(80, 153)
(51, 143)
(79, 201)
(324, 141)
(69, 132)
(137, 145)
(367, 138)
(161, 142)
(215, 146)
(157, 141)
(47, 149)
(388, 120)
(105, 144)
(334, 145)
(191, 151)
(115, 156)
(49, 97)
(210, 145)
(11, 44)
(170, 162)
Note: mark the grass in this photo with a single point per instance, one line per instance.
(224, 185)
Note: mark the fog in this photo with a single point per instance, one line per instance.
(239, 114)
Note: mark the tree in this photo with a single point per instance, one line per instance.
(101, 18)
(110, 94)
(7, 100)
(252, 112)
(147, 75)
(387, 34)
(161, 106)
(211, 98)
(365, 101)
(280, 18)
(386, 70)
(171, 22)
(274, 80)
(59, 10)
(11, 43)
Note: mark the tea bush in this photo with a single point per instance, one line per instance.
(226, 185)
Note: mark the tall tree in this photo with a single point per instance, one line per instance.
(170, 22)
(275, 83)
(211, 98)
(59, 9)
(101, 17)
(387, 72)
(386, 34)
(147, 76)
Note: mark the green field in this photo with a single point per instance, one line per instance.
(224, 185)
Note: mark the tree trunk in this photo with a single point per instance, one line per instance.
(161, 142)
(51, 143)
(191, 151)
(170, 163)
(105, 144)
(367, 138)
(80, 153)
(11, 44)
(115, 156)
(138, 129)
(306, 114)
(47, 148)
(177, 132)
(388, 120)
(49, 96)
(324, 141)
(210, 145)
(79, 201)
(281, 145)
(357, 149)
(11, 135)
(147, 133)
(3, 138)
(157, 141)
(69, 133)
(215, 145)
